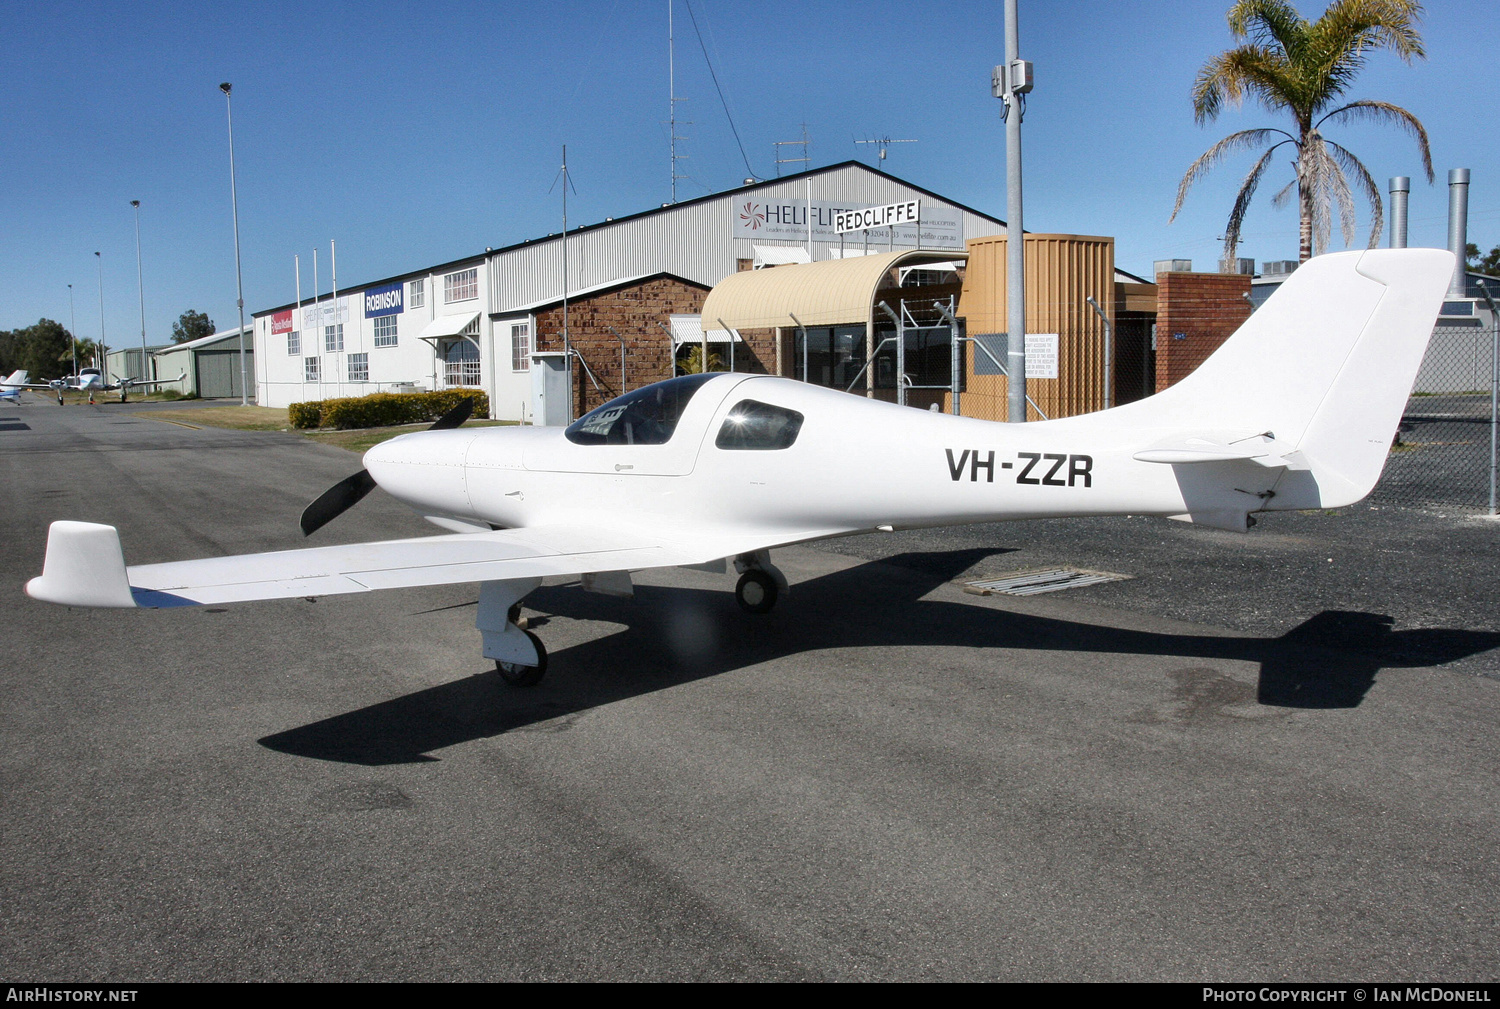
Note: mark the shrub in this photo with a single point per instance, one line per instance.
(384, 409)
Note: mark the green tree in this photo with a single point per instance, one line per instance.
(192, 325)
(1303, 68)
(1487, 264)
(40, 349)
(690, 360)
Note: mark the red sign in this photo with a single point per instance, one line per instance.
(281, 322)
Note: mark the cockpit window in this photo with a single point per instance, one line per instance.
(759, 427)
(645, 417)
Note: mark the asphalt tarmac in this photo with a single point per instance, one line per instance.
(1263, 757)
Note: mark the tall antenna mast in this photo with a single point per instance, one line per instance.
(672, 101)
(805, 161)
(884, 142)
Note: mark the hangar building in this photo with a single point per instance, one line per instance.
(635, 287)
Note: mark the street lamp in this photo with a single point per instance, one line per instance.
(102, 349)
(140, 283)
(72, 329)
(239, 282)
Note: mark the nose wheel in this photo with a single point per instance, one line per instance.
(518, 675)
(756, 591)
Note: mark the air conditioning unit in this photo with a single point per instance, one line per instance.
(1241, 266)
(1277, 267)
(1173, 266)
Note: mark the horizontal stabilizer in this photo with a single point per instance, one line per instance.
(1262, 449)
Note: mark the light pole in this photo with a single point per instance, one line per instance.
(72, 329)
(239, 282)
(102, 348)
(140, 284)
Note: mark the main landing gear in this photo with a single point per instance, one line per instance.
(761, 582)
(518, 675)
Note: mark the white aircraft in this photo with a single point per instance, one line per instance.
(92, 380)
(10, 387)
(1296, 410)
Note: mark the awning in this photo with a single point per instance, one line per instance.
(779, 255)
(689, 329)
(447, 325)
(831, 293)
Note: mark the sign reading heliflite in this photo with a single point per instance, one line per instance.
(785, 220)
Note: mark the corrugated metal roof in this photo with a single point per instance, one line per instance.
(833, 292)
(689, 329)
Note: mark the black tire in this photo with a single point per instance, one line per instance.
(518, 675)
(756, 592)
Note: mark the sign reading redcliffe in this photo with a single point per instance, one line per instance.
(877, 217)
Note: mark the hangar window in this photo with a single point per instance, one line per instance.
(418, 296)
(461, 286)
(520, 346)
(311, 371)
(359, 367)
(333, 338)
(294, 344)
(385, 331)
(759, 427)
(645, 417)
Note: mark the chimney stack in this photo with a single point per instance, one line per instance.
(1400, 190)
(1458, 228)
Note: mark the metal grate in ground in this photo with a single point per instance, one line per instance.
(1031, 583)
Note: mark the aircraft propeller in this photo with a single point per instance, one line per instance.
(351, 490)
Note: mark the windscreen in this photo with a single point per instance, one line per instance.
(645, 417)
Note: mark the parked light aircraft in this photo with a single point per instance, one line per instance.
(1296, 410)
(92, 380)
(10, 387)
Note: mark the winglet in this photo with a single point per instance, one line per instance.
(84, 567)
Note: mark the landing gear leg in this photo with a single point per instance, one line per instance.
(520, 657)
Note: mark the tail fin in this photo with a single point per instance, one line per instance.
(1326, 365)
(17, 377)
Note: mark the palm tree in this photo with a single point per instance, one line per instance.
(1290, 64)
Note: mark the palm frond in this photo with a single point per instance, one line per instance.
(1282, 198)
(1268, 21)
(1233, 142)
(1230, 75)
(1329, 188)
(1385, 112)
(1366, 184)
(1242, 201)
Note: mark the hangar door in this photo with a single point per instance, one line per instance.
(219, 372)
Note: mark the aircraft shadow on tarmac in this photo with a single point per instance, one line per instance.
(678, 635)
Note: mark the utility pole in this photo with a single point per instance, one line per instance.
(102, 348)
(239, 281)
(562, 174)
(73, 329)
(1010, 83)
(140, 283)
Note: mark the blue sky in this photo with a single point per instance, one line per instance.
(416, 135)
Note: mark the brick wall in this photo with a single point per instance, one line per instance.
(1195, 313)
(639, 312)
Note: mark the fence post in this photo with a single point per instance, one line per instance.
(1484, 289)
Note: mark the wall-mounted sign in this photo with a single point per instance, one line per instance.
(325, 313)
(890, 215)
(383, 300)
(786, 220)
(1041, 355)
(281, 322)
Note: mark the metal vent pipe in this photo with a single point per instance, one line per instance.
(1400, 190)
(1458, 228)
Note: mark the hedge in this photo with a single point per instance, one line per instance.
(384, 409)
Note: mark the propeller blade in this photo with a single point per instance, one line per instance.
(336, 500)
(455, 417)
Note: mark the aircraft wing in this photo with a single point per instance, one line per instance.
(131, 383)
(85, 565)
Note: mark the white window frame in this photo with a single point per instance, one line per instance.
(417, 297)
(388, 323)
(461, 285)
(312, 369)
(359, 367)
(333, 338)
(294, 343)
(520, 346)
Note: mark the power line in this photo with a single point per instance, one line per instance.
(748, 170)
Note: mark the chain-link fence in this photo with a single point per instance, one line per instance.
(1444, 455)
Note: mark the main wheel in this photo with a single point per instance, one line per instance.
(518, 675)
(756, 591)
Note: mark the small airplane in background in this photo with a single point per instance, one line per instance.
(92, 380)
(1296, 410)
(12, 386)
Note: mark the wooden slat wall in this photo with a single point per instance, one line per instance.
(1062, 271)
